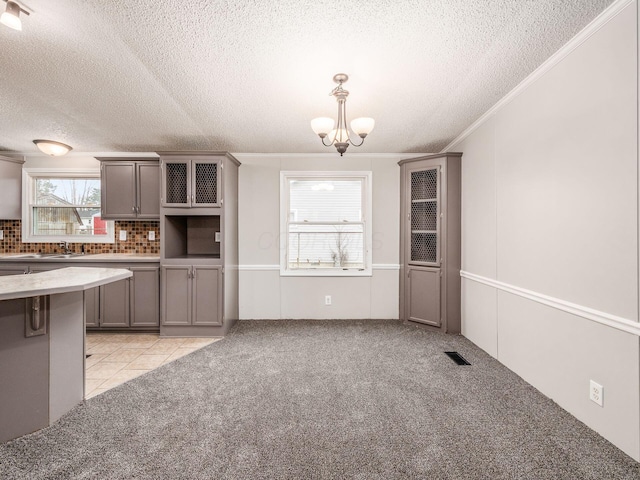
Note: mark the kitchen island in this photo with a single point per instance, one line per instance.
(42, 349)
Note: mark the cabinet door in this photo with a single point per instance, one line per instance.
(92, 307)
(145, 296)
(423, 239)
(206, 183)
(148, 183)
(207, 298)
(176, 183)
(13, 270)
(114, 304)
(118, 184)
(176, 295)
(423, 295)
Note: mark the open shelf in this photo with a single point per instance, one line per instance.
(192, 237)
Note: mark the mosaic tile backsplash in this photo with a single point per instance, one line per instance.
(137, 240)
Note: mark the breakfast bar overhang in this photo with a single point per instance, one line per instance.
(42, 347)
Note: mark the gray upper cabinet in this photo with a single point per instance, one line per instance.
(430, 242)
(191, 182)
(130, 189)
(10, 188)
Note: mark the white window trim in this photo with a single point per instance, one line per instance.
(366, 177)
(28, 176)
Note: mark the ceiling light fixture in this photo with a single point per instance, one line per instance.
(340, 137)
(55, 149)
(11, 15)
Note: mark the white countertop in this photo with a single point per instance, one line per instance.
(63, 280)
(90, 257)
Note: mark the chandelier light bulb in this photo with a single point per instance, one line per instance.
(362, 126)
(11, 16)
(322, 125)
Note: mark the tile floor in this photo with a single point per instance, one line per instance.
(119, 357)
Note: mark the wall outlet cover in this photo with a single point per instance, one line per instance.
(327, 299)
(152, 235)
(1, 234)
(123, 235)
(596, 393)
(217, 237)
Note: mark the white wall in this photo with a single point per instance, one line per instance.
(266, 295)
(550, 228)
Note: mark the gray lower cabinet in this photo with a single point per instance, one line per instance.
(114, 304)
(132, 303)
(145, 297)
(192, 295)
(92, 307)
(17, 270)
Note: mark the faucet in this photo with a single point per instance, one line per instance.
(65, 248)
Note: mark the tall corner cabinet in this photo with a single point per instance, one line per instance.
(199, 243)
(430, 241)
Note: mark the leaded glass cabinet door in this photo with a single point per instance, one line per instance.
(424, 216)
(206, 183)
(176, 183)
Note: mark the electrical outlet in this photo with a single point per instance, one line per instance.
(596, 393)
(327, 299)
(123, 235)
(152, 235)
(1, 234)
(217, 237)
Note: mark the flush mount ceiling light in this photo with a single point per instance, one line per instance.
(340, 136)
(55, 149)
(11, 15)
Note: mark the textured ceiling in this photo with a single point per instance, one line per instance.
(248, 76)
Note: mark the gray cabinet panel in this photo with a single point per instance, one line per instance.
(14, 270)
(423, 296)
(148, 183)
(114, 304)
(92, 307)
(207, 301)
(24, 376)
(145, 302)
(118, 190)
(10, 188)
(176, 295)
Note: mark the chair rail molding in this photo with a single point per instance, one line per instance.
(603, 318)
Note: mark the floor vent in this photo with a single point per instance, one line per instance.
(456, 357)
(87, 356)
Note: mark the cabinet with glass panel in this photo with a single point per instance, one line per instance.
(198, 246)
(430, 249)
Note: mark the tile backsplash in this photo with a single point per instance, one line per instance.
(137, 240)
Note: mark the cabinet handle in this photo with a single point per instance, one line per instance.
(133, 209)
(192, 200)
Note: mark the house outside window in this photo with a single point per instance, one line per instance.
(326, 223)
(63, 205)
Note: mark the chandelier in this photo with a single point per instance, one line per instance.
(340, 136)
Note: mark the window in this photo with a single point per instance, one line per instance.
(63, 205)
(326, 221)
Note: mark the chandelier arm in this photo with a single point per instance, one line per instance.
(325, 144)
(356, 144)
